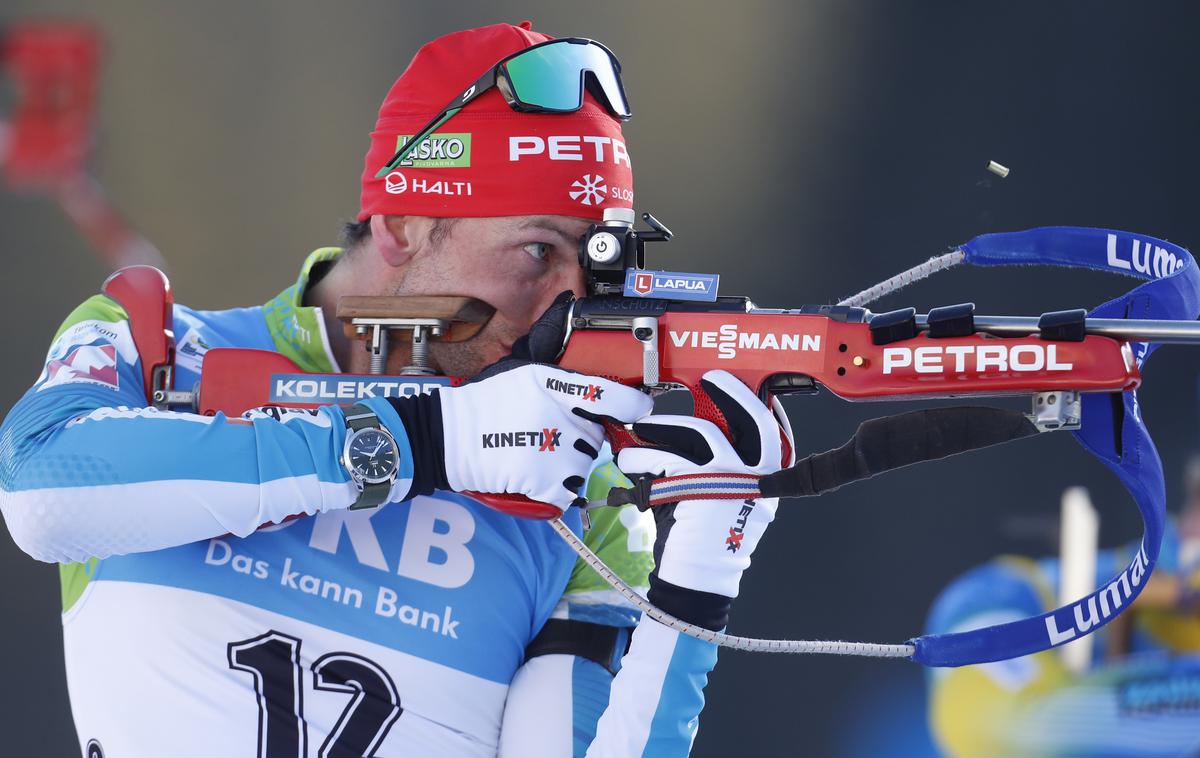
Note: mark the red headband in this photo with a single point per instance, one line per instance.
(489, 160)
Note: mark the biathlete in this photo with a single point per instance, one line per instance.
(398, 617)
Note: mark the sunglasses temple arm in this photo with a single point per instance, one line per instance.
(417, 139)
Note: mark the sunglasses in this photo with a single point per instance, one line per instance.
(549, 77)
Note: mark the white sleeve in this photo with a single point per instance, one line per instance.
(657, 696)
(539, 712)
(87, 471)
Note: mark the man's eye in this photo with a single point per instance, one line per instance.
(539, 250)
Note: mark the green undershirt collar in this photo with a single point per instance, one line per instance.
(297, 329)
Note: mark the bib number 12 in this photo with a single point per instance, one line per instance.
(273, 659)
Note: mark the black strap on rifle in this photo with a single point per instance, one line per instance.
(892, 442)
(879, 445)
(602, 644)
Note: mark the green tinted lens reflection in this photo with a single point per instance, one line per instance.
(549, 77)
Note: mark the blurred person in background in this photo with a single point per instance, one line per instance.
(397, 617)
(1141, 694)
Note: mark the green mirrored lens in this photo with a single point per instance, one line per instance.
(549, 77)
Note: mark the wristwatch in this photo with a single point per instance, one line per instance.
(370, 456)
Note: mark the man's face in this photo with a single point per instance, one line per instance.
(516, 264)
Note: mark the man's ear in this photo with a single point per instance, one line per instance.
(396, 237)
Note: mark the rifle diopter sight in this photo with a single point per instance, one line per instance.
(613, 247)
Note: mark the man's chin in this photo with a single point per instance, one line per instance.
(465, 359)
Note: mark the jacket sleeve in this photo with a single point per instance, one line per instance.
(567, 705)
(653, 703)
(553, 705)
(87, 470)
(654, 706)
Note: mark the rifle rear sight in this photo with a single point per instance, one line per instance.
(613, 246)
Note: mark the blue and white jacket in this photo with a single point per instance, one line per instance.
(190, 630)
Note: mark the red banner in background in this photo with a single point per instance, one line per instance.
(54, 67)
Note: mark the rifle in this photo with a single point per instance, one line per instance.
(661, 330)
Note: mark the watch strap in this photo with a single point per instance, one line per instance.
(372, 495)
(358, 417)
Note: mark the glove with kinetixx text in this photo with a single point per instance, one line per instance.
(703, 546)
(528, 429)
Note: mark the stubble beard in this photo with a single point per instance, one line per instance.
(466, 359)
(469, 357)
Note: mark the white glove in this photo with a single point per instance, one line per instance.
(531, 430)
(705, 545)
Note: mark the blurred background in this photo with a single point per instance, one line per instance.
(804, 150)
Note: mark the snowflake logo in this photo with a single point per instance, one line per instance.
(590, 190)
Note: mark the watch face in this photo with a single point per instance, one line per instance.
(373, 455)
